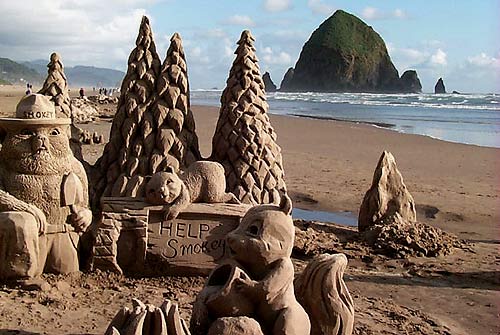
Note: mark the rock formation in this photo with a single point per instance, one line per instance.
(322, 292)
(128, 156)
(259, 287)
(388, 221)
(387, 196)
(43, 192)
(344, 54)
(244, 141)
(83, 110)
(439, 87)
(268, 83)
(287, 79)
(409, 82)
(148, 319)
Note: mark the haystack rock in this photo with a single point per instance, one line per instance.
(287, 78)
(410, 83)
(439, 88)
(127, 156)
(268, 83)
(244, 141)
(344, 54)
(387, 196)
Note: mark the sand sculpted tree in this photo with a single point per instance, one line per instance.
(244, 140)
(125, 159)
(153, 127)
(176, 143)
(56, 86)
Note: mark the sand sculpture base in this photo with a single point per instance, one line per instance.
(134, 238)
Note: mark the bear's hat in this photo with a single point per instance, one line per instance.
(35, 110)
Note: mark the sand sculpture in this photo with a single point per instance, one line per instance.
(257, 282)
(244, 141)
(56, 86)
(203, 181)
(148, 320)
(153, 127)
(388, 221)
(387, 196)
(43, 192)
(322, 292)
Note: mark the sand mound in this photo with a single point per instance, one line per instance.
(83, 110)
(399, 238)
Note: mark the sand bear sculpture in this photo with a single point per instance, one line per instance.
(257, 281)
(202, 181)
(43, 193)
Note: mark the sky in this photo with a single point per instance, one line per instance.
(456, 40)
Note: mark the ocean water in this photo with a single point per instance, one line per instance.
(462, 118)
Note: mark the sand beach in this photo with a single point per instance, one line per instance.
(328, 167)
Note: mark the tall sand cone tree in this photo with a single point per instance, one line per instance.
(176, 143)
(126, 157)
(244, 140)
(56, 86)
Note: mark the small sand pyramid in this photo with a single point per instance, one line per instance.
(176, 142)
(56, 86)
(387, 196)
(244, 141)
(126, 158)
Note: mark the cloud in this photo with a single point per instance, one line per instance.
(372, 13)
(439, 58)
(318, 7)
(93, 32)
(240, 20)
(271, 58)
(277, 5)
(484, 61)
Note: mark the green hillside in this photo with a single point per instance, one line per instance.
(16, 73)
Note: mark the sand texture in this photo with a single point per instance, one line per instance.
(328, 166)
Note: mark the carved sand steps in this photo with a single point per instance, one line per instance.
(244, 141)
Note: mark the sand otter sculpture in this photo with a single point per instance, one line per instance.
(202, 181)
(43, 193)
(260, 282)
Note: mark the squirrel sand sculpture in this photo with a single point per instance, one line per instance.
(259, 283)
(43, 192)
(202, 181)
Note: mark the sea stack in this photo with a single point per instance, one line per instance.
(410, 83)
(344, 55)
(268, 83)
(244, 141)
(439, 88)
(287, 78)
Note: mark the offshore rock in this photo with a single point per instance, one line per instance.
(439, 88)
(410, 83)
(268, 83)
(287, 79)
(344, 54)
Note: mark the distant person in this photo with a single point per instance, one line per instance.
(100, 91)
(82, 92)
(105, 92)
